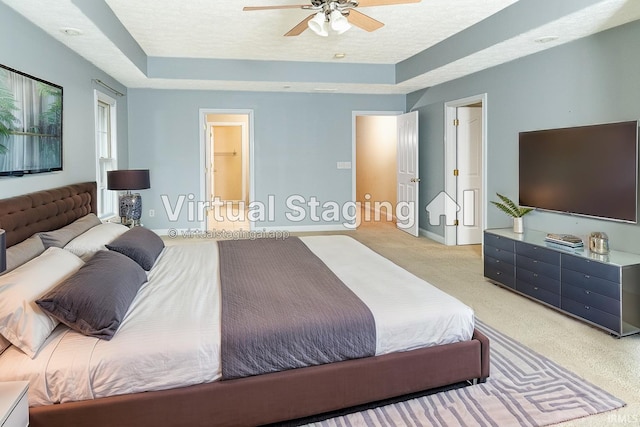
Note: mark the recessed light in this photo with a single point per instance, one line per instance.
(339, 55)
(546, 39)
(70, 31)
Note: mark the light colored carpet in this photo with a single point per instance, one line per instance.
(524, 389)
(607, 362)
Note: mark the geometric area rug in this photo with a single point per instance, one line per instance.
(524, 389)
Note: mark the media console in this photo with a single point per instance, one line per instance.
(603, 290)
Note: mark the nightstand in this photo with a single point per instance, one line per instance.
(14, 404)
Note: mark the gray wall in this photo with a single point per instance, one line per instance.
(431, 162)
(298, 138)
(589, 81)
(26, 48)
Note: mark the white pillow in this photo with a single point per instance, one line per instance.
(60, 237)
(22, 252)
(94, 239)
(22, 322)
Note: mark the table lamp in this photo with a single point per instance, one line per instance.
(130, 203)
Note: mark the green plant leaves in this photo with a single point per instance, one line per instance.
(510, 208)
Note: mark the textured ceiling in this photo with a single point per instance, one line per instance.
(218, 30)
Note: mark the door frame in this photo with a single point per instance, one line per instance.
(211, 158)
(450, 157)
(202, 132)
(354, 115)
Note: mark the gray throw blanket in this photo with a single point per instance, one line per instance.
(283, 308)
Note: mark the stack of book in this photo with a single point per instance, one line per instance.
(565, 240)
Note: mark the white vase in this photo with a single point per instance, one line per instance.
(518, 225)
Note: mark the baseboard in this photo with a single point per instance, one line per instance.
(431, 235)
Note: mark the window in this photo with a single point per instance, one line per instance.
(106, 153)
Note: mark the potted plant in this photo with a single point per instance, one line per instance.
(516, 212)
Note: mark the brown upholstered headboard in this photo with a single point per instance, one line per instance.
(46, 210)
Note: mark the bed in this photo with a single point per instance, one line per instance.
(194, 394)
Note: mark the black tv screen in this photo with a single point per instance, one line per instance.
(587, 170)
(30, 124)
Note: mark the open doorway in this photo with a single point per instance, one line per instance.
(227, 143)
(228, 161)
(376, 163)
(385, 167)
(385, 170)
(465, 163)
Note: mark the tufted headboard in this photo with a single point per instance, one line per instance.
(46, 210)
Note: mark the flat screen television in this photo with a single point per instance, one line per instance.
(587, 170)
(30, 124)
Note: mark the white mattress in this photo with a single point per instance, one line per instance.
(170, 336)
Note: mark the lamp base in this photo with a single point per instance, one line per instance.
(131, 209)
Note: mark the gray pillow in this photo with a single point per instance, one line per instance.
(140, 244)
(22, 252)
(60, 237)
(95, 299)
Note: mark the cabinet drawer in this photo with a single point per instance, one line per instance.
(535, 279)
(592, 268)
(500, 272)
(550, 270)
(498, 264)
(538, 252)
(590, 298)
(591, 283)
(499, 253)
(539, 293)
(592, 314)
(499, 242)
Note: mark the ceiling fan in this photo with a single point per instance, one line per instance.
(337, 15)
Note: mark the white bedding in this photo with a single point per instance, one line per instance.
(170, 336)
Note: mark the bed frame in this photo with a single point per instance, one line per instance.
(250, 401)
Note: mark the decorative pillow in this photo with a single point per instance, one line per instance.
(140, 244)
(22, 252)
(94, 239)
(95, 299)
(21, 320)
(60, 237)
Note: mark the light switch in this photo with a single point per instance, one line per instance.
(344, 165)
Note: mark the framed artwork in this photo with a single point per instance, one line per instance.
(30, 124)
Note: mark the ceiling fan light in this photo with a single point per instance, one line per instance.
(339, 23)
(318, 25)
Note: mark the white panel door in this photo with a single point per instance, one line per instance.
(469, 182)
(407, 208)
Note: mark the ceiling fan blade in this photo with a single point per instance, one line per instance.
(303, 25)
(368, 3)
(291, 6)
(363, 21)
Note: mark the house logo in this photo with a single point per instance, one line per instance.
(442, 205)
